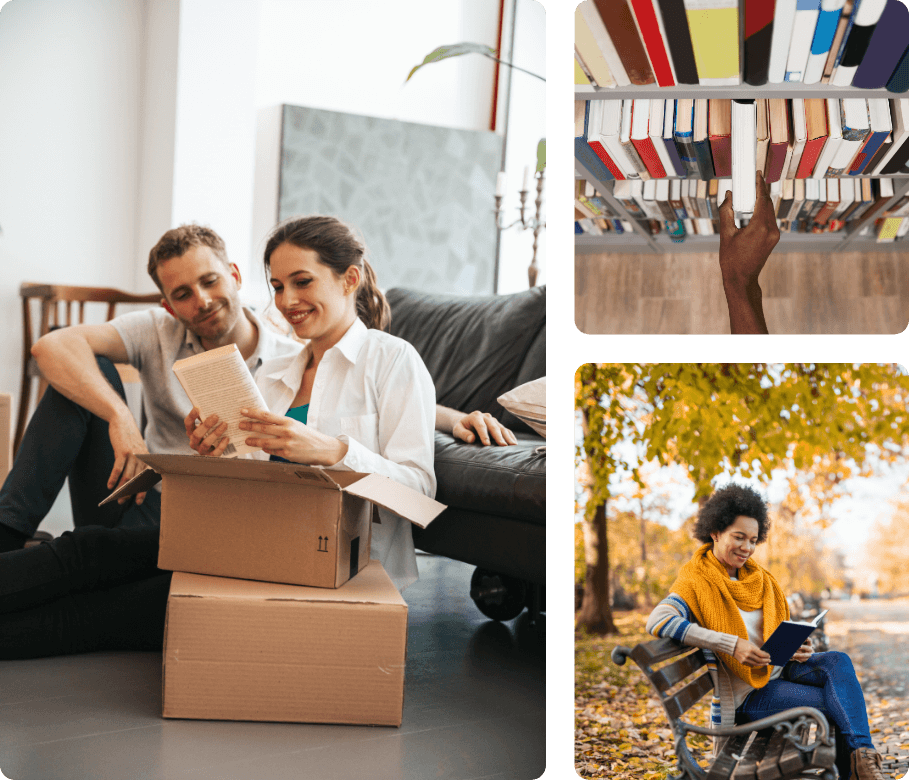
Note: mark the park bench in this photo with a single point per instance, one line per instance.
(774, 748)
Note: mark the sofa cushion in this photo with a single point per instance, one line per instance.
(503, 481)
(527, 402)
(476, 348)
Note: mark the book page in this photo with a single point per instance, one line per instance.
(221, 384)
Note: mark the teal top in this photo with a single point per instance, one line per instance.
(298, 413)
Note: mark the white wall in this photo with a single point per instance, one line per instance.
(215, 125)
(122, 119)
(353, 56)
(69, 152)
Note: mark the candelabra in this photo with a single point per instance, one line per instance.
(535, 223)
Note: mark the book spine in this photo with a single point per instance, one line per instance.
(783, 19)
(705, 161)
(589, 51)
(758, 24)
(710, 21)
(619, 22)
(885, 47)
(776, 156)
(865, 19)
(803, 29)
(589, 160)
(649, 157)
(868, 150)
(653, 41)
(635, 159)
(827, 23)
(600, 151)
(721, 150)
(675, 22)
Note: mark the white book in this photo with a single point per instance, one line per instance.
(744, 157)
(637, 195)
(834, 137)
(587, 47)
(589, 226)
(803, 27)
(776, 188)
(689, 226)
(784, 173)
(631, 153)
(657, 108)
(603, 125)
(705, 226)
(847, 196)
(855, 126)
(783, 20)
(218, 382)
(650, 195)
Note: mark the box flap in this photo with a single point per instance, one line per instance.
(371, 586)
(239, 468)
(144, 481)
(401, 500)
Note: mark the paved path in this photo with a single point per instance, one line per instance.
(876, 636)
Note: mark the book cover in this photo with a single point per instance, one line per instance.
(762, 135)
(885, 47)
(675, 23)
(719, 128)
(827, 23)
(799, 136)
(654, 43)
(710, 21)
(582, 150)
(899, 81)
(839, 37)
(803, 29)
(701, 140)
(856, 128)
(783, 19)
(758, 31)
(899, 135)
(669, 140)
(833, 200)
(683, 134)
(640, 138)
(581, 78)
(604, 42)
(780, 137)
(788, 637)
(864, 20)
(589, 51)
(656, 128)
(815, 134)
(619, 22)
(627, 146)
(880, 126)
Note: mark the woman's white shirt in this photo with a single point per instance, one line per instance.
(371, 391)
(754, 626)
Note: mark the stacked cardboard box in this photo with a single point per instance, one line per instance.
(276, 611)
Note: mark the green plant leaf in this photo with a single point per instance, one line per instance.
(541, 155)
(454, 50)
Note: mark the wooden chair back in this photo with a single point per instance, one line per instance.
(55, 303)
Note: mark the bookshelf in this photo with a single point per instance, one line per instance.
(641, 241)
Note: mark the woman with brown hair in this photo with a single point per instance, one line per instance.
(356, 398)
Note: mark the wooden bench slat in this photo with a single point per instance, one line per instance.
(649, 653)
(727, 759)
(673, 674)
(769, 766)
(688, 696)
(793, 760)
(747, 767)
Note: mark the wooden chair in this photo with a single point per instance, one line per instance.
(51, 298)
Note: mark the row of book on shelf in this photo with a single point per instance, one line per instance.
(859, 43)
(794, 139)
(800, 205)
(800, 146)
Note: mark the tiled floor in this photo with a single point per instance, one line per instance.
(474, 709)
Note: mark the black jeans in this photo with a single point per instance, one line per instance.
(94, 588)
(65, 440)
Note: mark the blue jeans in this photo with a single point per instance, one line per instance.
(827, 682)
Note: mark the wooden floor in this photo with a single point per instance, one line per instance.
(803, 293)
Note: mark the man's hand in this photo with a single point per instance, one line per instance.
(744, 251)
(127, 443)
(206, 437)
(485, 427)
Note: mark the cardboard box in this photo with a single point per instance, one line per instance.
(274, 522)
(240, 650)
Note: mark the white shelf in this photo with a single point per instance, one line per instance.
(741, 91)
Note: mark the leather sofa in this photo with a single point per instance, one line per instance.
(476, 349)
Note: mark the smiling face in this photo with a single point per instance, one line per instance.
(203, 293)
(735, 545)
(319, 304)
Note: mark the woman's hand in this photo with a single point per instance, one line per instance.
(291, 439)
(804, 652)
(206, 438)
(750, 654)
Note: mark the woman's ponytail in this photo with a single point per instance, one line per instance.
(372, 307)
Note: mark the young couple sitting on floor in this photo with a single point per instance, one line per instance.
(352, 398)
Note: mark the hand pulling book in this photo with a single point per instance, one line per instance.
(788, 637)
(218, 382)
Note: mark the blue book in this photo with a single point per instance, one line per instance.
(874, 142)
(704, 158)
(684, 139)
(671, 148)
(788, 637)
(899, 81)
(586, 155)
(578, 228)
(824, 33)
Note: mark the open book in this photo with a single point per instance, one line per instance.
(788, 637)
(219, 382)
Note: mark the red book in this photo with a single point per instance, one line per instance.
(780, 136)
(653, 41)
(719, 125)
(643, 143)
(606, 159)
(816, 125)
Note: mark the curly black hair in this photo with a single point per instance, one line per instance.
(724, 506)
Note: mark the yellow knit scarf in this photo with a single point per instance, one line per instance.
(712, 596)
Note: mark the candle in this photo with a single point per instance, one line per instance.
(526, 178)
(500, 184)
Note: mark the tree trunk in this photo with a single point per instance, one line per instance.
(595, 615)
